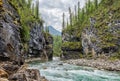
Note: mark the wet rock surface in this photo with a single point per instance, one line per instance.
(15, 73)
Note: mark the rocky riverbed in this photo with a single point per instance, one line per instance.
(101, 64)
(11, 72)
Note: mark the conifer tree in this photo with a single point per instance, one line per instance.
(29, 4)
(47, 29)
(78, 10)
(75, 12)
(82, 15)
(70, 13)
(33, 9)
(63, 24)
(37, 9)
(67, 23)
(96, 3)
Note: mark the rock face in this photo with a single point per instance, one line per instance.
(37, 41)
(94, 44)
(49, 45)
(12, 67)
(98, 35)
(10, 41)
(71, 50)
(9, 72)
(40, 44)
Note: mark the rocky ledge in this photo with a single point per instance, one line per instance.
(10, 72)
(101, 64)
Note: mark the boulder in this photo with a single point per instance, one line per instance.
(27, 75)
(3, 79)
(3, 74)
(10, 68)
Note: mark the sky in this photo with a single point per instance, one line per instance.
(51, 11)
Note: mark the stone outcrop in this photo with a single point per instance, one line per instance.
(12, 67)
(71, 50)
(10, 41)
(101, 36)
(9, 72)
(92, 41)
(37, 41)
(49, 45)
(40, 44)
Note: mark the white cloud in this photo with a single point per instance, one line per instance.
(52, 10)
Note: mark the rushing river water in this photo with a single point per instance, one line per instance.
(58, 71)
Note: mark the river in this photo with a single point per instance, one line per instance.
(56, 70)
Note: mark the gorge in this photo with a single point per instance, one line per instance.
(88, 50)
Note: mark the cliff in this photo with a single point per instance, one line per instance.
(12, 49)
(40, 44)
(96, 33)
(10, 41)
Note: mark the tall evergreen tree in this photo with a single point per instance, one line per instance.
(96, 3)
(70, 13)
(29, 4)
(78, 11)
(75, 12)
(67, 23)
(37, 9)
(82, 15)
(63, 24)
(33, 9)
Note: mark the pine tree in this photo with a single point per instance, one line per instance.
(75, 12)
(47, 29)
(67, 23)
(82, 15)
(63, 24)
(70, 16)
(96, 3)
(33, 9)
(78, 11)
(37, 9)
(89, 3)
(29, 4)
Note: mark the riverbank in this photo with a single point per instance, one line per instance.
(12, 72)
(35, 59)
(32, 59)
(100, 64)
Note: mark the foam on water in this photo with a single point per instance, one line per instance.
(66, 72)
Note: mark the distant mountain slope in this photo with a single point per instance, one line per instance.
(53, 31)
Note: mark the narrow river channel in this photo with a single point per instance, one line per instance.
(57, 70)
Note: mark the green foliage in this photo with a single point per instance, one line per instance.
(28, 15)
(72, 45)
(37, 9)
(103, 12)
(96, 3)
(57, 45)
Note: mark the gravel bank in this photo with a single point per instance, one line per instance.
(98, 63)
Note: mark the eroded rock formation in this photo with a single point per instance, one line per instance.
(10, 41)
(40, 44)
(12, 67)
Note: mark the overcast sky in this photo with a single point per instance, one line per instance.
(52, 10)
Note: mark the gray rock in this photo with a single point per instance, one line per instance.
(10, 34)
